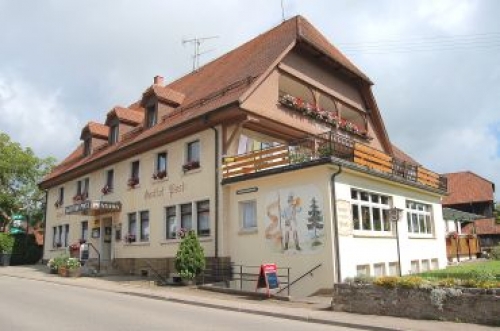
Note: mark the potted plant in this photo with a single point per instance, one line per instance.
(160, 174)
(73, 267)
(106, 189)
(190, 258)
(132, 182)
(6, 247)
(52, 266)
(129, 238)
(191, 165)
(59, 264)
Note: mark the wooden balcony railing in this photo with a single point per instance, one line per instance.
(327, 145)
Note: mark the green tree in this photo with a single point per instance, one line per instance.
(20, 172)
(190, 258)
(496, 212)
(315, 220)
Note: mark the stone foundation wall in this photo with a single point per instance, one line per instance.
(164, 266)
(453, 304)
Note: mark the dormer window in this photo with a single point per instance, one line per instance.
(113, 134)
(151, 116)
(87, 146)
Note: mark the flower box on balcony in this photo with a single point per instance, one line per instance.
(191, 165)
(106, 189)
(160, 174)
(132, 182)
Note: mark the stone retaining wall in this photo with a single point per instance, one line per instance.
(453, 304)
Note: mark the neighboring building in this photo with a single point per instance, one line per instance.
(274, 152)
(471, 193)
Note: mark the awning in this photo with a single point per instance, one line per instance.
(450, 214)
(93, 207)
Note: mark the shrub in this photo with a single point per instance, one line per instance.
(448, 282)
(495, 253)
(190, 258)
(388, 281)
(6, 243)
(410, 282)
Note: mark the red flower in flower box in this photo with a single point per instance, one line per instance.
(106, 189)
(191, 165)
(132, 182)
(160, 174)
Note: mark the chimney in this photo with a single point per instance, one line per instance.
(158, 80)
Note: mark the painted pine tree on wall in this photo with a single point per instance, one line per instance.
(315, 221)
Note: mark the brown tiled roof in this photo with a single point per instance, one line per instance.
(222, 81)
(97, 130)
(483, 226)
(165, 94)
(399, 154)
(467, 187)
(133, 116)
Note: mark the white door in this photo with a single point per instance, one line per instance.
(106, 239)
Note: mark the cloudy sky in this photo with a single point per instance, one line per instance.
(435, 64)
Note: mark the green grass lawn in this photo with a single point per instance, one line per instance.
(465, 269)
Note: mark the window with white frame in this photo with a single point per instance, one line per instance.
(193, 151)
(132, 227)
(370, 211)
(379, 269)
(113, 134)
(144, 228)
(54, 236)
(418, 217)
(203, 218)
(60, 199)
(134, 171)
(171, 222)
(110, 179)
(60, 235)
(66, 235)
(151, 116)
(187, 216)
(415, 267)
(393, 268)
(161, 162)
(426, 266)
(85, 231)
(248, 214)
(434, 264)
(363, 270)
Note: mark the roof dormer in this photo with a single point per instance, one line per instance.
(158, 101)
(93, 136)
(121, 121)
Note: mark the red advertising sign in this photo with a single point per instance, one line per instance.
(268, 277)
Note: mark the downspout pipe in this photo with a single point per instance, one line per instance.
(45, 222)
(216, 238)
(335, 224)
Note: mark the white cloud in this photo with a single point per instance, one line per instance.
(36, 119)
(451, 16)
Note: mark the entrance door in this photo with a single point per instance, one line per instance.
(106, 239)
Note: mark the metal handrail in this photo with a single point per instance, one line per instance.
(156, 272)
(98, 256)
(309, 272)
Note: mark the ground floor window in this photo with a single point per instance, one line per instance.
(144, 230)
(248, 214)
(418, 217)
(363, 270)
(379, 269)
(60, 235)
(415, 267)
(434, 264)
(393, 268)
(85, 231)
(370, 211)
(132, 227)
(188, 216)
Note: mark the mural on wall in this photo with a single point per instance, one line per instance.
(294, 220)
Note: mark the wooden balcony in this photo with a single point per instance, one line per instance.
(328, 145)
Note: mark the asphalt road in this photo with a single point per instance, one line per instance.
(37, 305)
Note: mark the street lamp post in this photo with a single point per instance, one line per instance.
(394, 216)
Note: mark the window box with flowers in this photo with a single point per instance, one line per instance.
(106, 189)
(133, 182)
(191, 165)
(160, 175)
(129, 238)
(58, 204)
(318, 113)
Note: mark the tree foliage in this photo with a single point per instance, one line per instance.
(190, 259)
(20, 172)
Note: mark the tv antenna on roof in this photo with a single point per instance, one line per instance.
(197, 42)
(282, 11)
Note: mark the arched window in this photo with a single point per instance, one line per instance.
(326, 103)
(353, 116)
(293, 87)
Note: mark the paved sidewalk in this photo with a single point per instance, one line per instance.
(314, 310)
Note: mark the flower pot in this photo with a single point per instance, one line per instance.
(74, 272)
(62, 271)
(5, 259)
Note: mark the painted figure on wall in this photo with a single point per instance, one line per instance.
(290, 228)
(290, 219)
